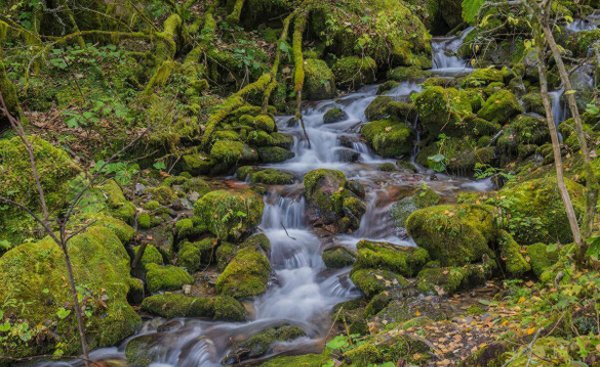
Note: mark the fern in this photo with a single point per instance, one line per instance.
(470, 10)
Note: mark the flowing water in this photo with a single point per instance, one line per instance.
(444, 50)
(303, 291)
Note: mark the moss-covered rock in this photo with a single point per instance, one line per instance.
(306, 360)
(482, 77)
(500, 107)
(34, 274)
(166, 277)
(151, 255)
(231, 153)
(443, 110)
(338, 257)
(353, 71)
(388, 138)
(274, 154)
(170, 305)
(319, 82)
(246, 275)
(330, 201)
(374, 281)
(532, 102)
(453, 234)
(541, 257)
(423, 197)
(403, 260)
(267, 176)
(261, 343)
(192, 255)
(229, 214)
(448, 280)
(186, 228)
(118, 205)
(534, 212)
(510, 254)
(410, 73)
(378, 108)
(334, 115)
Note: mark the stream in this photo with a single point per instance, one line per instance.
(303, 291)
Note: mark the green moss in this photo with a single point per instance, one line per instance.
(34, 274)
(166, 277)
(229, 214)
(482, 77)
(388, 138)
(274, 154)
(510, 254)
(268, 176)
(265, 123)
(364, 355)
(378, 109)
(319, 82)
(353, 72)
(119, 206)
(541, 257)
(192, 255)
(228, 152)
(225, 253)
(144, 221)
(338, 257)
(171, 305)
(500, 107)
(453, 234)
(374, 281)
(151, 255)
(151, 205)
(197, 163)
(307, 360)
(443, 110)
(258, 241)
(387, 86)
(259, 344)
(441, 280)
(403, 260)
(402, 74)
(186, 229)
(163, 194)
(246, 275)
(534, 212)
(334, 115)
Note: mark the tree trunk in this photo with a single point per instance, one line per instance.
(560, 180)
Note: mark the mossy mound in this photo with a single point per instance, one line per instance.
(274, 154)
(306, 360)
(411, 73)
(482, 77)
(403, 260)
(388, 138)
(230, 153)
(319, 82)
(443, 110)
(510, 255)
(334, 115)
(453, 234)
(229, 214)
(261, 343)
(423, 197)
(500, 107)
(331, 201)
(151, 255)
(374, 281)
(523, 132)
(35, 274)
(193, 255)
(461, 155)
(166, 277)
(534, 212)
(541, 257)
(246, 275)
(352, 72)
(338, 257)
(448, 280)
(378, 108)
(186, 228)
(267, 176)
(171, 305)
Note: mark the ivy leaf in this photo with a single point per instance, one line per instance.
(338, 342)
(470, 10)
(63, 313)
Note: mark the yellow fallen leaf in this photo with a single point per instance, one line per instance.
(530, 331)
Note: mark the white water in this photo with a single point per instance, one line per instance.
(559, 110)
(444, 54)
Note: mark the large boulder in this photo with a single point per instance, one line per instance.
(35, 275)
(246, 275)
(229, 214)
(319, 82)
(388, 138)
(500, 107)
(331, 202)
(454, 235)
(403, 260)
(534, 211)
(170, 305)
(353, 71)
(166, 277)
(17, 183)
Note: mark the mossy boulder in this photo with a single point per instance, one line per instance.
(230, 153)
(338, 257)
(500, 107)
(261, 343)
(353, 71)
(445, 280)
(319, 82)
(482, 77)
(18, 184)
(193, 255)
(330, 200)
(389, 138)
(541, 257)
(532, 102)
(171, 305)
(378, 109)
(460, 155)
(410, 73)
(197, 163)
(334, 115)
(453, 234)
(443, 110)
(118, 205)
(403, 260)
(229, 214)
(274, 154)
(34, 273)
(151, 255)
(186, 228)
(246, 275)
(166, 277)
(267, 176)
(423, 197)
(534, 210)
(374, 281)
(510, 255)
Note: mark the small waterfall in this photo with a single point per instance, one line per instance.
(444, 53)
(559, 110)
